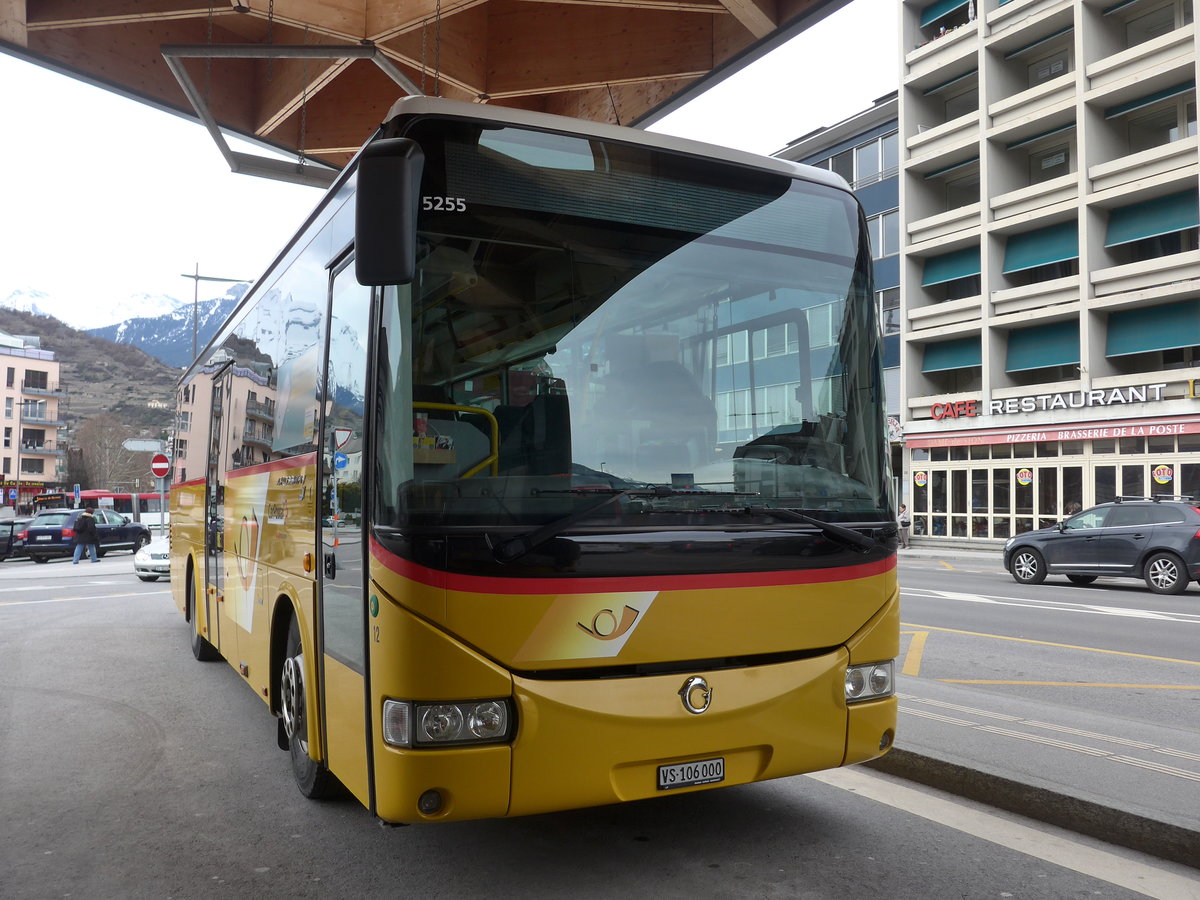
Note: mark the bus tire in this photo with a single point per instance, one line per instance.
(313, 779)
(201, 648)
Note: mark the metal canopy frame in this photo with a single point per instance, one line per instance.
(304, 171)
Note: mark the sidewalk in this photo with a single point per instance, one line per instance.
(1128, 783)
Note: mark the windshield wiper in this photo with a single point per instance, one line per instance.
(848, 536)
(514, 548)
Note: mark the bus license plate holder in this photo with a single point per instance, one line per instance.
(691, 774)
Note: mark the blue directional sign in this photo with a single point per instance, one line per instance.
(340, 460)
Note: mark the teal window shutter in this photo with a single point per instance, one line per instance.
(939, 10)
(1149, 328)
(1141, 102)
(1055, 344)
(957, 354)
(1057, 243)
(951, 266)
(1162, 215)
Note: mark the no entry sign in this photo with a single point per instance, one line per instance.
(160, 465)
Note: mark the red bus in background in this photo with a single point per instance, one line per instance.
(144, 508)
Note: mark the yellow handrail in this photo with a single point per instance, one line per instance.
(493, 459)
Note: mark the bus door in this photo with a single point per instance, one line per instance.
(214, 519)
(342, 545)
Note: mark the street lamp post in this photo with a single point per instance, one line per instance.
(196, 279)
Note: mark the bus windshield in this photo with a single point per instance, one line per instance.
(593, 318)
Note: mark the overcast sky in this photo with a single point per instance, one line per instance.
(103, 198)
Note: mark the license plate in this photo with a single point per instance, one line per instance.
(43, 537)
(682, 775)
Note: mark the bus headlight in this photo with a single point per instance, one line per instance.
(409, 724)
(869, 682)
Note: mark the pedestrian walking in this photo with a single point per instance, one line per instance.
(86, 535)
(903, 522)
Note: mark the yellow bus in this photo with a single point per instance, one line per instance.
(546, 467)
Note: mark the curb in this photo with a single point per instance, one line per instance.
(1173, 843)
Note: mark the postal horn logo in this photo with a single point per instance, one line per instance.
(607, 627)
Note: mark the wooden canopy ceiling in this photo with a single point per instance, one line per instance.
(606, 60)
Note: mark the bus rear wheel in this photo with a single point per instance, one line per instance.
(313, 779)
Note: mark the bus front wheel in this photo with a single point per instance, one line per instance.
(313, 779)
(201, 648)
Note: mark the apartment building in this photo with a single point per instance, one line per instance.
(31, 454)
(1049, 266)
(864, 149)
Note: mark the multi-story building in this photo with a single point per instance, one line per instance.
(1049, 268)
(864, 149)
(32, 395)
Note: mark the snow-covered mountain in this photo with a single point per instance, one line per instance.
(91, 315)
(168, 336)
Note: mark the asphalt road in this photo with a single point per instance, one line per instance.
(130, 770)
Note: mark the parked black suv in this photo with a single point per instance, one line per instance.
(1134, 537)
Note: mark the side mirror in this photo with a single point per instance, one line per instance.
(385, 216)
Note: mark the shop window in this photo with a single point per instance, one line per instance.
(1104, 480)
(1023, 451)
(1072, 489)
(1133, 480)
(1104, 445)
(921, 454)
(1001, 528)
(980, 451)
(1189, 479)
(939, 454)
(1001, 451)
(1162, 443)
(958, 454)
(1189, 443)
(1130, 445)
(1047, 448)
(1072, 448)
(1001, 487)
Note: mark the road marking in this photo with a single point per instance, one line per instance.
(1004, 637)
(1047, 844)
(73, 599)
(947, 565)
(1056, 606)
(1016, 721)
(1087, 684)
(916, 648)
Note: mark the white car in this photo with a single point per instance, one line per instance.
(153, 560)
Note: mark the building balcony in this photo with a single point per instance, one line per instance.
(944, 315)
(1042, 295)
(1176, 155)
(257, 439)
(260, 410)
(43, 390)
(1171, 55)
(1049, 98)
(47, 421)
(1036, 197)
(1178, 272)
(944, 224)
(42, 448)
(943, 51)
(933, 141)
(1022, 14)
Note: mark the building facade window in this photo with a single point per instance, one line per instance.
(884, 231)
(866, 163)
(889, 310)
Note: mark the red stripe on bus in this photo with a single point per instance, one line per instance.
(487, 584)
(292, 462)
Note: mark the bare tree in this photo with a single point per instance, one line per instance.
(107, 465)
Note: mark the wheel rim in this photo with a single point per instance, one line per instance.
(1025, 566)
(1163, 572)
(292, 699)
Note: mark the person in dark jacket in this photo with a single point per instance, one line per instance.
(86, 535)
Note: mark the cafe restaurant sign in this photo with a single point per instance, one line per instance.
(968, 409)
